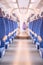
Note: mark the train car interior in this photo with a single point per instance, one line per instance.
(21, 32)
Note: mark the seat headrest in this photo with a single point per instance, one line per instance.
(35, 17)
(1, 12)
(41, 13)
(41, 30)
(38, 16)
(2, 28)
(6, 25)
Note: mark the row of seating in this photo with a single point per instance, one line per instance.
(8, 28)
(36, 32)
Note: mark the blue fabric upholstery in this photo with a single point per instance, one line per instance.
(7, 25)
(30, 25)
(2, 34)
(37, 27)
(41, 29)
(39, 22)
(2, 28)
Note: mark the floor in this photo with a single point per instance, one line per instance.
(21, 52)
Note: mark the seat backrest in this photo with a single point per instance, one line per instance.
(16, 25)
(10, 25)
(38, 26)
(6, 25)
(12, 22)
(34, 25)
(2, 25)
(41, 29)
(31, 25)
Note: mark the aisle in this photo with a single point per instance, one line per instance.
(21, 52)
(27, 54)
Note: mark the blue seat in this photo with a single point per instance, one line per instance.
(31, 27)
(41, 42)
(41, 34)
(38, 26)
(2, 34)
(12, 28)
(10, 31)
(15, 27)
(7, 31)
(34, 30)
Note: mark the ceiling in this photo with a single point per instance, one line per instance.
(22, 8)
